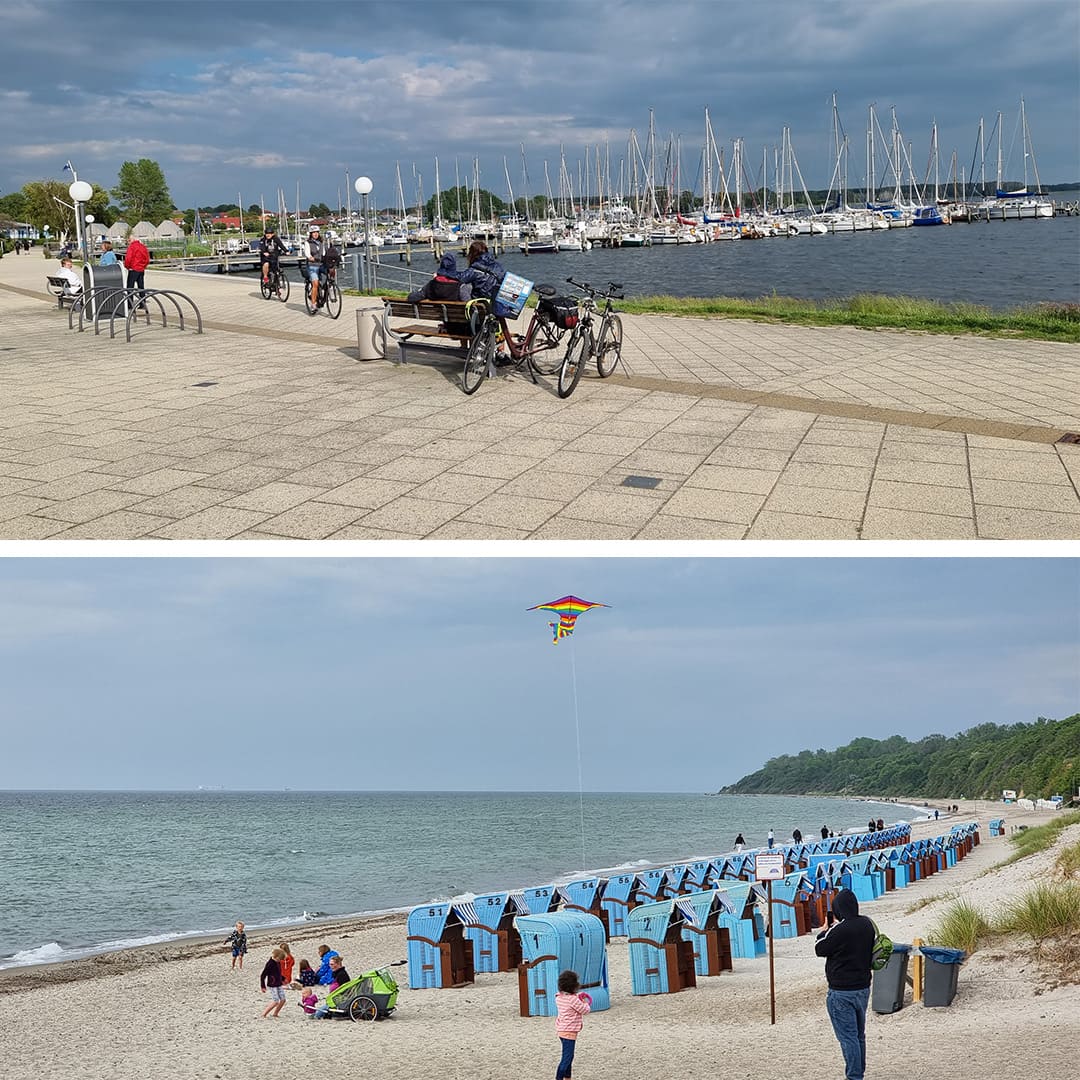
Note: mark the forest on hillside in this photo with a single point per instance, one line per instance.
(1037, 760)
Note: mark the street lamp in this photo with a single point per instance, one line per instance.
(81, 193)
(363, 187)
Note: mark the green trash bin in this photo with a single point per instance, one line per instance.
(887, 989)
(940, 974)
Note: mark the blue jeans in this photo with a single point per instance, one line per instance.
(847, 1011)
(567, 1061)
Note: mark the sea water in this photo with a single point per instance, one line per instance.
(86, 872)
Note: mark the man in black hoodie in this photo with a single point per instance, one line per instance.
(848, 950)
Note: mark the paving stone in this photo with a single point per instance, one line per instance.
(771, 525)
(816, 502)
(883, 523)
(713, 505)
(930, 498)
(1010, 523)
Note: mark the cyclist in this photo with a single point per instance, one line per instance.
(271, 248)
(314, 249)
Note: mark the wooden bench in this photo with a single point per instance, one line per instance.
(442, 325)
(59, 287)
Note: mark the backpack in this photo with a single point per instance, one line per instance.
(883, 949)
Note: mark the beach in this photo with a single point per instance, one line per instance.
(178, 1010)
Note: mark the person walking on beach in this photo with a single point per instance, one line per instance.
(771, 839)
(824, 832)
(571, 1005)
(848, 948)
(796, 835)
(238, 940)
(271, 977)
(739, 841)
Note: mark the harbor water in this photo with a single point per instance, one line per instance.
(84, 872)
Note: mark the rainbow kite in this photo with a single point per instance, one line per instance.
(568, 609)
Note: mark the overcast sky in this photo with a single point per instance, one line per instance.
(429, 674)
(251, 97)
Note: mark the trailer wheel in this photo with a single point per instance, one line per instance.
(363, 1008)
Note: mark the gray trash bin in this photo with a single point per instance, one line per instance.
(100, 277)
(887, 989)
(940, 974)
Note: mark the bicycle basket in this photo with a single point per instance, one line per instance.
(561, 310)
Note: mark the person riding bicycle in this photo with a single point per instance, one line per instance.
(271, 249)
(314, 250)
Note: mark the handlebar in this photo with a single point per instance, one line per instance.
(613, 290)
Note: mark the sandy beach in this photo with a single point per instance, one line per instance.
(179, 1011)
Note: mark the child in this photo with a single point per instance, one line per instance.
(308, 976)
(308, 1002)
(286, 963)
(238, 940)
(572, 1005)
(271, 977)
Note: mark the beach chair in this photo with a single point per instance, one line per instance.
(557, 942)
(661, 960)
(439, 953)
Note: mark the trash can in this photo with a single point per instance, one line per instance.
(104, 279)
(940, 973)
(371, 344)
(887, 989)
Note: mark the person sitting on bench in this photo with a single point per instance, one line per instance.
(443, 286)
(74, 282)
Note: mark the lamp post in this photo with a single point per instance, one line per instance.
(363, 187)
(81, 193)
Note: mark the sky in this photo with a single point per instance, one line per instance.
(249, 98)
(431, 674)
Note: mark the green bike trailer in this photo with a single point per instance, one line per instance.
(371, 996)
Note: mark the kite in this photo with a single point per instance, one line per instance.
(568, 609)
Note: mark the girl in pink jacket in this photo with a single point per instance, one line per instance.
(572, 1005)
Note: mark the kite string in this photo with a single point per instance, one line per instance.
(577, 729)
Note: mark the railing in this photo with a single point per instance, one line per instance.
(107, 301)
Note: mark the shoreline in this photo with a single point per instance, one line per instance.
(181, 1012)
(170, 942)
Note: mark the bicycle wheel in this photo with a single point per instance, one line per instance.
(266, 287)
(282, 286)
(479, 357)
(577, 356)
(609, 347)
(308, 305)
(333, 299)
(545, 358)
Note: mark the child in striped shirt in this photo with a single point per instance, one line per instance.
(572, 1005)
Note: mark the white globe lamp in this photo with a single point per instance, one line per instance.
(363, 187)
(81, 191)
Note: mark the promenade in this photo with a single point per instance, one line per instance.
(267, 426)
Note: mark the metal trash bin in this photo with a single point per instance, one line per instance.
(100, 277)
(940, 974)
(887, 989)
(370, 339)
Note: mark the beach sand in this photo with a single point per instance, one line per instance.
(179, 1011)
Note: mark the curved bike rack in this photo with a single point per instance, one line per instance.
(109, 301)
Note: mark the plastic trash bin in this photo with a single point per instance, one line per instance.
(887, 989)
(940, 974)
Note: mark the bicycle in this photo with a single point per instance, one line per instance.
(276, 284)
(606, 345)
(329, 293)
(546, 330)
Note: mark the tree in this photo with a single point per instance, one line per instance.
(319, 210)
(13, 206)
(43, 210)
(142, 192)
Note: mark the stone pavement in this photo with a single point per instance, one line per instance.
(267, 426)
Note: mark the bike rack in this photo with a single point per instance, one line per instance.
(110, 301)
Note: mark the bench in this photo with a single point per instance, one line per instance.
(60, 288)
(442, 325)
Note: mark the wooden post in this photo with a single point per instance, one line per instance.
(916, 970)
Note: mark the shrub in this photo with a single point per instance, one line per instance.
(961, 927)
(1046, 911)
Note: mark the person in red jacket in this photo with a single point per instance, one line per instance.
(136, 260)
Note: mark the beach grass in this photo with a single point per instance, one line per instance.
(1040, 837)
(1042, 322)
(1050, 910)
(961, 926)
(926, 901)
(1068, 860)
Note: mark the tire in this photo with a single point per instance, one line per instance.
(333, 299)
(264, 288)
(362, 1009)
(282, 286)
(577, 356)
(546, 361)
(480, 355)
(309, 307)
(609, 347)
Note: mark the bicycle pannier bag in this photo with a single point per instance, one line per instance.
(562, 310)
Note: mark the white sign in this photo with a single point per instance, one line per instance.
(768, 865)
